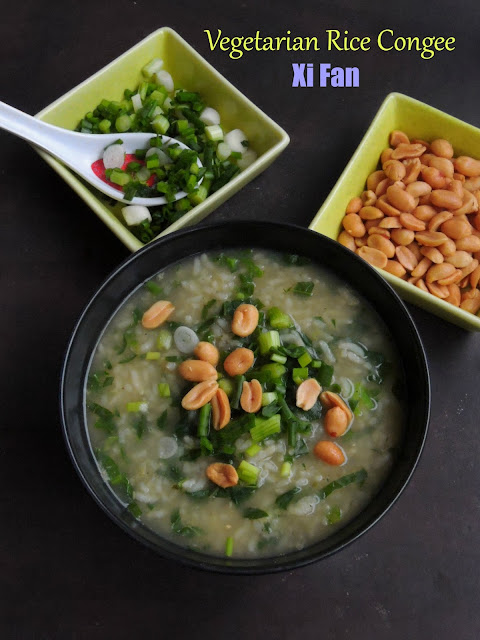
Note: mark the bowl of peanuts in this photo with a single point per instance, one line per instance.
(408, 204)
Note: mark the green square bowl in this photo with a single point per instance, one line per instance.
(189, 71)
(418, 120)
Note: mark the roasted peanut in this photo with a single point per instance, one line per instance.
(374, 179)
(221, 412)
(251, 398)
(307, 394)
(207, 352)
(471, 301)
(394, 170)
(391, 222)
(425, 212)
(475, 277)
(456, 187)
(434, 178)
(197, 370)
(445, 199)
(398, 137)
(400, 199)
(469, 204)
(329, 452)
(386, 155)
(368, 198)
(422, 267)
(470, 268)
(467, 166)
(403, 151)
(438, 219)
(468, 243)
(330, 399)
(472, 184)
(336, 422)
(438, 290)
(448, 248)
(433, 254)
(361, 242)
(347, 240)
(354, 205)
(353, 224)
(420, 284)
(238, 362)
(438, 272)
(413, 167)
(415, 249)
(406, 258)
(370, 213)
(157, 314)
(373, 256)
(221, 474)
(456, 228)
(395, 268)
(460, 259)
(442, 148)
(199, 395)
(455, 277)
(385, 233)
(386, 207)
(454, 296)
(377, 241)
(430, 238)
(402, 236)
(418, 188)
(443, 165)
(411, 222)
(245, 320)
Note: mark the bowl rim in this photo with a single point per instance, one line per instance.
(271, 564)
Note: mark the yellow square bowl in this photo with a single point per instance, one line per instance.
(189, 71)
(417, 120)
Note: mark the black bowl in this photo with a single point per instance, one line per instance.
(140, 267)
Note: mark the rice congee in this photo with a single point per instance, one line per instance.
(245, 403)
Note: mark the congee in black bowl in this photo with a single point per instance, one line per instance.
(245, 397)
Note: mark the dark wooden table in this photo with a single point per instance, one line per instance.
(66, 571)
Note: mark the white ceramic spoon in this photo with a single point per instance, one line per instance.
(79, 151)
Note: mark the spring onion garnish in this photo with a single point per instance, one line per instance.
(278, 319)
(252, 450)
(268, 340)
(248, 473)
(227, 385)
(278, 358)
(303, 289)
(265, 427)
(203, 426)
(305, 359)
(268, 398)
(229, 547)
(299, 375)
(152, 355)
(163, 389)
(135, 407)
(237, 391)
(164, 339)
(286, 469)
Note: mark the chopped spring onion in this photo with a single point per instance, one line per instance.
(223, 151)
(226, 385)
(234, 140)
(214, 132)
(117, 176)
(248, 157)
(164, 79)
(268, 398)
(160, 124)
(210, 116)
(123, 123)
(252, 450)
(135, 407)
(299, 375)
(237, 391)
(104, 125)
(268, 340)
(163, 389)
(274, 369)
(265, 427)
(317, 364)
(164, 339)
(114, 156)
(185, 339)
(276, 357)
(135, 214)
(325, 375)
(152, 355)
(303, 289)
(286, 469)
(305, 359)
(229, 547)
(248, 473)
(162, 156)
(278, 319)
(152, 67)
(203, 426)
(137, 102)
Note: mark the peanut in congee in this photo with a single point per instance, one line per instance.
(258, 416)
(419, 219)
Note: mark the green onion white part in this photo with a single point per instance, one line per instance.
(135, 214)
(234, 140)
(210, 116)
(114, 156)
(164, 79)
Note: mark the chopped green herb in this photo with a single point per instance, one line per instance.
(334, 515)
(154, 288)
(286, 498)
(303, 289)
(115, 476)
(178, 527)
(140, 425)
(229, 546)
(162, 420)
(358, 476)
(105, 420)
(251, 513)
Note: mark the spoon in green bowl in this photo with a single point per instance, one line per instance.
(84, 153)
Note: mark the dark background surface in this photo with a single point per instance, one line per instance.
(66, 571)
